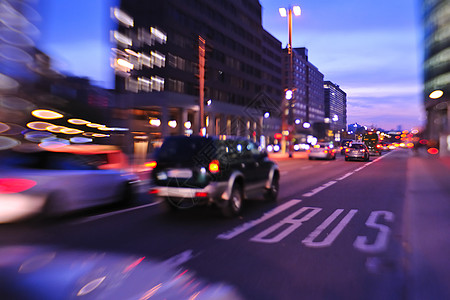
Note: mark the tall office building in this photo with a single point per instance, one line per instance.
(241, 67)
(335, 108)
(307, 82)
(436, 19)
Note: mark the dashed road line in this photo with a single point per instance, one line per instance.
(109, 214)
(330, 183)
(319, 189)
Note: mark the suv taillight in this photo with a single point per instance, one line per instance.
(214, 166)
(151, 164)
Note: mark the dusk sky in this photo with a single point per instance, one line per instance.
(371, 49)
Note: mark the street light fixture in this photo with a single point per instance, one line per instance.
(288, 13)
(436, 94)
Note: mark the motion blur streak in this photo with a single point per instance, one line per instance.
(179, 276)
(91, 286)
(193, 297)
(151, 292)
(37, 262)
(133, 265)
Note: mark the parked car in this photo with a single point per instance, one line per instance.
(357, 151)
(194, 171)
(322, 151)
(344, 145)
(66, 179)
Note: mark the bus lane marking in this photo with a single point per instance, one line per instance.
(329, 239)
(327, 229)
(291, 221)
(248, 225)
(381, 241)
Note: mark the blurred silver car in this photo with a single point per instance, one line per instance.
(322, 151)
(64, 180)
(357, 151)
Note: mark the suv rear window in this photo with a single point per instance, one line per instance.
(184, 149)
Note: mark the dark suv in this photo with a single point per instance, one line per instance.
(195, 170)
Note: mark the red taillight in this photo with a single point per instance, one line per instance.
(347, 150)
(153, 191)
(15, 185)
(214, 166)
(151, 164)
(325, 151)
(378, 146)
(201, 195)
(433, 151)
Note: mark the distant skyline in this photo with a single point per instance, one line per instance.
(370, 49)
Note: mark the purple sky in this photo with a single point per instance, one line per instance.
(371, 49)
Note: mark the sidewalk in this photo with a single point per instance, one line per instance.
(427, 227)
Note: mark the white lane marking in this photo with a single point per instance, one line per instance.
(345, 176)
(290, 221)
(361, 243)
(246, 226)
(320, 188)
(113, 213)
(360, 168)
(329, 239)
(305, 167)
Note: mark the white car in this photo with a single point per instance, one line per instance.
(322, 151)
(67, 179)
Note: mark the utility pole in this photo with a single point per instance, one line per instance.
(201, 73)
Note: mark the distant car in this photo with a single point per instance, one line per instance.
(344, 145)
(357, 151)
(322, 151)
(384, 146)
(53, 183)
(195, 171)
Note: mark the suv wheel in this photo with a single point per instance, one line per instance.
(234, 204)
(272, 193)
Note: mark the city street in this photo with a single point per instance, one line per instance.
(340, 230)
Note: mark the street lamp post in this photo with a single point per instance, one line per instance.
(288, 13)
